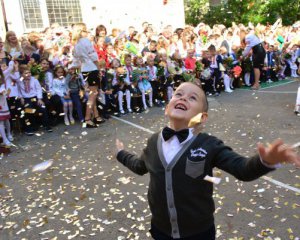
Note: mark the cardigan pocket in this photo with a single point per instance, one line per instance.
(194, 169)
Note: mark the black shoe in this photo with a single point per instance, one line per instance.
(117, 114)
(106, 116)
(99, 120)
(90, 124)
(49, 129)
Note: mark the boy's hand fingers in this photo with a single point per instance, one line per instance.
(261, 150)
(276, 144)
(119, 145)
(292, 157)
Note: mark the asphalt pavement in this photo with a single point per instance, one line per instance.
(87, 194)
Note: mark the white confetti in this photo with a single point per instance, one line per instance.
(42, 166)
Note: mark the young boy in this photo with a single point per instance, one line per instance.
(31, 98)
(180, 199)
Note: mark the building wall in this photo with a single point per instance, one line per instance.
(112, 13)
(14, 16)
(2, 25)
(121, 14)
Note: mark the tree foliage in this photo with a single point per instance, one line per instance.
(242, 11)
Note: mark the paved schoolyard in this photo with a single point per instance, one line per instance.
(86, 194)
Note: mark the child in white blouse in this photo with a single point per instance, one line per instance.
(11, 75)
(4, 113)
(59, 88)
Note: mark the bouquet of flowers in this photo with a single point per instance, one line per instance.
(287, 56)
(228, 63)
(237, 70)
(175, 70)
(239, 53)
(204, 38)
(206, 74)
(37, 72)
(161, 69)
(143, 74)
(198, 66)
(121, 74)
(188, 77)
(110, 74)
(135, 75)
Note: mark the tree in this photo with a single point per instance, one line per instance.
(194, 10)
(242, 11)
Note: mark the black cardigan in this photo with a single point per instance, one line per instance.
(180, 200)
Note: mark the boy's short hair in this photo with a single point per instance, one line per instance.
(150, 57)
(127, 56)
(211, 48)
(204, 100)
(153, 42)
(23, 68)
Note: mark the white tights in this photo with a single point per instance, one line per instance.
(4, 125)
(144, 98)
(68, 108)
(120, 99)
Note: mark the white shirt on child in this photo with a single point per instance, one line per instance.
(171, 147)
(152, 73)
(34, 91)
(59, 87)
(10, 80)
(4, 111)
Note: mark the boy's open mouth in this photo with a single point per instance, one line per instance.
(180, 106)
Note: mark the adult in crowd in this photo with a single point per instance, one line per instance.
(12, 46)
(253, 43)
(86, 58)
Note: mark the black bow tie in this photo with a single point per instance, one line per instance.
(182, 135)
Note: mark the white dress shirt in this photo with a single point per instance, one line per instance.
(251, 41)
(10, 80)
(85, 55)
(34, 91)
(172, 146)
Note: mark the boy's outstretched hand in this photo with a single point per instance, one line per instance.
(119, 145)
(278, 152)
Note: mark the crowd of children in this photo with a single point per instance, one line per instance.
(69, 71)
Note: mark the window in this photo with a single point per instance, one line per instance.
(39, 14)
(32, 14)
(64, 12)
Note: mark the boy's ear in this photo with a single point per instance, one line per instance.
(166, 109)
(204, 117)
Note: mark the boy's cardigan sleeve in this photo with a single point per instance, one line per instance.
(244, 169)
(133, 162)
